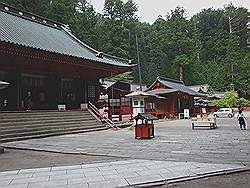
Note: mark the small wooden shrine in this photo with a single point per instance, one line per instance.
(144, 126)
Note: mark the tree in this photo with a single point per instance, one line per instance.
(117, 10)
(202, 45)
(229, 100)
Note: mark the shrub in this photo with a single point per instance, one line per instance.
(243, 102)
(230, 100)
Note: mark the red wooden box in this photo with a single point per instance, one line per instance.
(144, 127)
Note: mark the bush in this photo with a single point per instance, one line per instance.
(230, 100)
(243, 102)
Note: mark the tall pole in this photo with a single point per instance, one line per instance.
(138, 61)
(196, 38)
(231, 63)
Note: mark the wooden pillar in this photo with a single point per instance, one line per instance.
(85, 92)
(13, 92)
(53, 91)
(19, 91)
(110, 110)
(120, 110)
(77, 91)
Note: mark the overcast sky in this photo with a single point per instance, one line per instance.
(149, 10)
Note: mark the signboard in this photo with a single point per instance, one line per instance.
(203, 110)
(186, 113)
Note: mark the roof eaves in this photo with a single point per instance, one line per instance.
(26, 46)
(112, 60)
(73, 56)
(162, 91)
(77, 40)
(170, 80)
(125, 61)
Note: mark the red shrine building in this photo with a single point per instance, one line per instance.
(174, 98)
(117, 104)
(41, 58)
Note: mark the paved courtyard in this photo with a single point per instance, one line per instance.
(174, 141)
(112, 174)
(176, 148)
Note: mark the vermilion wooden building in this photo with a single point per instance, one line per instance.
(177, 97)
(41, 57)
(116, 103)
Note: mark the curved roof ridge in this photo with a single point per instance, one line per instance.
(78, 40)
(118, 58)
(29, 16)
(125, 61)
(171, 80)
(92, 49)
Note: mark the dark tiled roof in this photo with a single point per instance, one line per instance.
(25, 29)
(145, 116)
(108, 83)
(178, 85)
(162, 91)
(136, 87)
(199, 88)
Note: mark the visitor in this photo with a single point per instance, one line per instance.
(28, 101)
(242, 120)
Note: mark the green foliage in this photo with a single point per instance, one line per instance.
(243, 102)
(231, 100)
(202, 44)
(127, 77)
(118, 10)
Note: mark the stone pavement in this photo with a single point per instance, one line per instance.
(111, 174)
(174, 141)
(176, 151)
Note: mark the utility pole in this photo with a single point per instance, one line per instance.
(138, 61)
(196, 38)
(230, 25)
(231, 63)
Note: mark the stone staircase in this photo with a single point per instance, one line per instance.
(38, 124)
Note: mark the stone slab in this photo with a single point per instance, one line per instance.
(137, 172)
(174, 140)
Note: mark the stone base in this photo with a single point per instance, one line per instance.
(1, 149)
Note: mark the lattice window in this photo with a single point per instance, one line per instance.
(91, 91)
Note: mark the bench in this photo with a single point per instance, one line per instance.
(208, 122)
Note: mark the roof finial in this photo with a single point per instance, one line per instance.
(99, 54)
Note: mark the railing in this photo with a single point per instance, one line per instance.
(101, 116)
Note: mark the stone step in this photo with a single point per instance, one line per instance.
(48, 126)
(12, 139)
(24, 125)
(46, 131)
(40, 114)
(47, 120)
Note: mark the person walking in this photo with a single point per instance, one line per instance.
(242, 120)
(28, 101)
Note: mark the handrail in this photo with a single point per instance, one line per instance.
(101, 116)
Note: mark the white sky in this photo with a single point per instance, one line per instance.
(149, 10)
